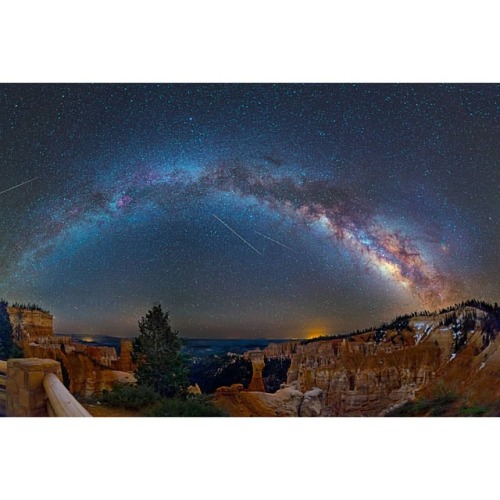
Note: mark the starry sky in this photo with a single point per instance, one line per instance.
(247, 211)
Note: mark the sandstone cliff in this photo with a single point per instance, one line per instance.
(87, 369)
(370, 373)
(30, 324)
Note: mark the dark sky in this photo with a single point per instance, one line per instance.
(247, 210)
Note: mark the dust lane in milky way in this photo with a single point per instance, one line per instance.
(262, 210)
(387, 252)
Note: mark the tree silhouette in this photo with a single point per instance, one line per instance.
(157, 353)
(6, 343)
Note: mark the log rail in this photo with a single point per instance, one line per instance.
(60, 402)
(33, 388)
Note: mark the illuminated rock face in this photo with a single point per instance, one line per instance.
(312, 403)
(194, 389)
(360, 377)
(371, 373)
(124, 362)
(257, 359)
(286, 402)
(31, 324)
(81, 366)
(90, 369)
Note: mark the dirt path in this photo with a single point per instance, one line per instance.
(106, 411)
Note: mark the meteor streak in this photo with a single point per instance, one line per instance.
(275, 241)
(240, 237)
(19, 185)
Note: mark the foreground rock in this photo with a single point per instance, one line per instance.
(286, 402)
(311, 404)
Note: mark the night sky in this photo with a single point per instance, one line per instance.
(247, 210)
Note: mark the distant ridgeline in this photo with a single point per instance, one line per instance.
(490, 321)
(29, 307)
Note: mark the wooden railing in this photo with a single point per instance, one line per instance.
(35, 390)
(60, 402)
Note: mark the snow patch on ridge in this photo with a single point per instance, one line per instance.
(422, 330)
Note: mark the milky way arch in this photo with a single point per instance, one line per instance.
(343, 216)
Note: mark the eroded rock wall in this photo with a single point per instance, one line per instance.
(367, 374)
(88, 368)
(31, 324)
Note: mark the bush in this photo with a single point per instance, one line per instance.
(473, 411)
(436, 406)
(421, 407)
(406, 410)
(130, 397)
(439, 407)
(192, 406)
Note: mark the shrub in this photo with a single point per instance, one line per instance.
(473, 411)
(192, 406)
(442, 400)
(130, 397)
(406, 410)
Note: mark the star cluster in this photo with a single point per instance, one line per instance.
(247, 210)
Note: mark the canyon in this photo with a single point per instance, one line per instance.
(374, 372)
(378, 370)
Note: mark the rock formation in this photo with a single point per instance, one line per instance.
(312, 403)
(86, 368)
(30, 324)
(286, 402)
(359, 377)
(369, 373)
(194, 389)
(124, 362)
(257, 359)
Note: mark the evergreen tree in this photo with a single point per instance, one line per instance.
(5, 331)
(157, 353)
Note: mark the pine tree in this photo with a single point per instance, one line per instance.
(157, 353)
(5, 331)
